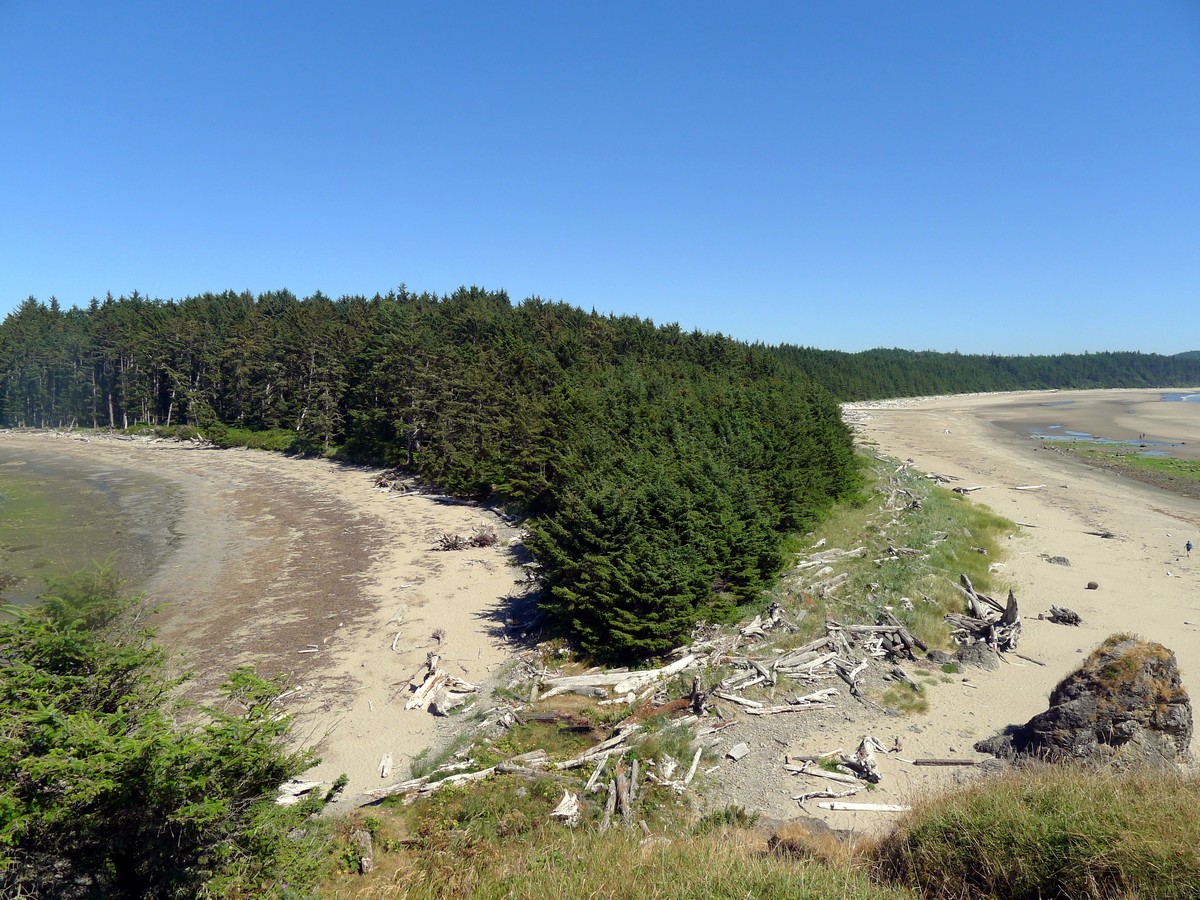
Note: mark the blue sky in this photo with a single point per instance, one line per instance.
(1018, 177)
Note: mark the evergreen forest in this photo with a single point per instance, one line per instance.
(659, 471)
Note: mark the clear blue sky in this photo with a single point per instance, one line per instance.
(1015, 177)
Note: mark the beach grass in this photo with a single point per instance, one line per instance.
(1033, 832)
(912, 559)
(1053, 831)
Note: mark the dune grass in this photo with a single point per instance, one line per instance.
(1053, 831)
(1042, 832)
(952, 536)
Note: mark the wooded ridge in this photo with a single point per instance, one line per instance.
(658, 470)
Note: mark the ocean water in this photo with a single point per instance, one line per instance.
(59, 514)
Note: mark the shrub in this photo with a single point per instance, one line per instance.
(103, 793)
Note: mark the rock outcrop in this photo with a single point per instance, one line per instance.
(1125, 705)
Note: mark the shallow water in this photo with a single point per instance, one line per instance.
(60, 513)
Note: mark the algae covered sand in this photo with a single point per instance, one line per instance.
(62, 513)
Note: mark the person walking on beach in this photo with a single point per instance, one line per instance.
(1189, 548)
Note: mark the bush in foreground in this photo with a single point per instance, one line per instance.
(104, 792)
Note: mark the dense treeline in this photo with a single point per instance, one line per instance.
(659, 469)
(876, 374)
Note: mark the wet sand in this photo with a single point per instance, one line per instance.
(60, 515)
(302, 567)
(1134, 417)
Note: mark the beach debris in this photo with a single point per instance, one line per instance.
(437, 690)
(621, 682)
(292, 792)
(395, 480)
(839, 806)
(567, 809)
(944, 762)
(806, 768)
(738, 751)
(824, 795)
(967, 490)
(385, 766)
(483, 536)
(862, 761)
(1058, 561)
(1061, 615)
(998, 626)
(1107, 535)
(361, 838)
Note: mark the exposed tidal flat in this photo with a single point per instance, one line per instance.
(60, 513)
(1161, 422)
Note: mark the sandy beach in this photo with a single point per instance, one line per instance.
(304, 567)
(1147, 585)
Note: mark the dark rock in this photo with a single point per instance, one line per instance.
(1092, 585)
(977, 654)
(1125, 705)
(1064, 616)
(939, 657)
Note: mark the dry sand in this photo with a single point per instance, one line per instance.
(1147, 586)
(275, 556)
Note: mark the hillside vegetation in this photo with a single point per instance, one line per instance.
(660, 471)
(880, 374)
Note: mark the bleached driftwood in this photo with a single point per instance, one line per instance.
(291, 792)
(863, 807)
(826, 795)
(806, 769)
(621, 682)
(741, 701)
(567, 809)
(862, 762)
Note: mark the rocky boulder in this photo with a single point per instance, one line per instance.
(1125, 705)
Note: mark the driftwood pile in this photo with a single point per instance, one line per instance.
(436, 690)
(986, 620)
(395, 480)
(483, 536)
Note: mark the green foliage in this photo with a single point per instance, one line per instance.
(732, 816)
(661, 469)
(106, 792)
(882, 373)
(941, 538)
